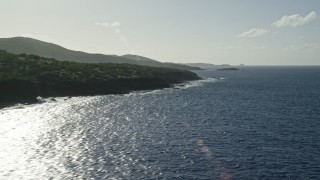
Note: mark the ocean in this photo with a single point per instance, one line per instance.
(254, 123)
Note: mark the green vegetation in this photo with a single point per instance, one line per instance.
(24, 77)
(39, 69)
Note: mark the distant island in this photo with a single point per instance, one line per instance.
(23, 77)
(19, 45)
(208, 65)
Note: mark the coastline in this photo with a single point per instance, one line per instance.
(25, 77)
(26, 92)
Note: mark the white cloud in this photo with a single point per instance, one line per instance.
(116, 27)
(105, 24)
(295, 20)
(255, 32)
(115, 24)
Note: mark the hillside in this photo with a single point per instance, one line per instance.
(151, 62)
(201, 65)
(19, 45)
(24, 77)
(207, 65)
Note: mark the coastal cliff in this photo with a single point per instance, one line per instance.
(24, 77)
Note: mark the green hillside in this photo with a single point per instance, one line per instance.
(19, 45)
(151, 62)
(36, 68)
(24, 77)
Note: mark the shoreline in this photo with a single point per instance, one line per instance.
(25, 77)
(26, 92)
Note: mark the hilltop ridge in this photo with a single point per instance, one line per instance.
(20, 45)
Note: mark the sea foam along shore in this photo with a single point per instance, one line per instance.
(21, 91)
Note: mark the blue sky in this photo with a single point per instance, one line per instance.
(253, 32)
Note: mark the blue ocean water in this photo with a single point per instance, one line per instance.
(255, 123)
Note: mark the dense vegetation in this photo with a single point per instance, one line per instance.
(36, 68)
(23, 77)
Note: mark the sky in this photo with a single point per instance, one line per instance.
(250, 32)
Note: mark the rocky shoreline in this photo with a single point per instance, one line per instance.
(25, 77)
(22, 91)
